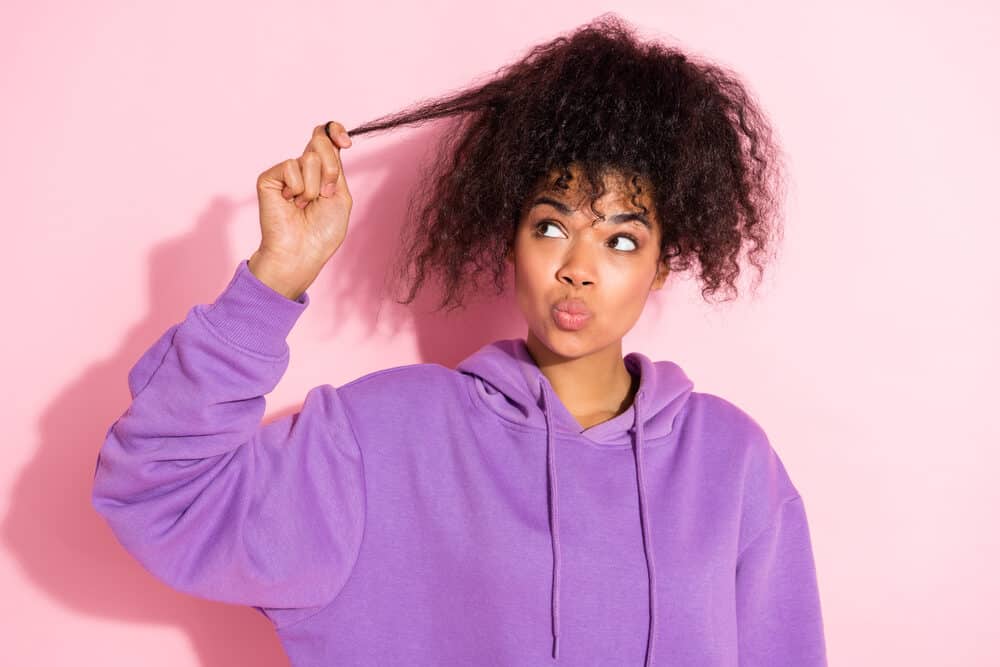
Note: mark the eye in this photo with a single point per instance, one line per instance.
(628, 237)
(542, 225)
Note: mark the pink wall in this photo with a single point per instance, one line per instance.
(132, 139)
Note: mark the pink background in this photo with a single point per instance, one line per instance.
(133, 136)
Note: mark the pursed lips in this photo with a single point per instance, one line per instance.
(572, 306)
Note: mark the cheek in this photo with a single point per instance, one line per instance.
(532, 277)
(628, 290)
(527, 260)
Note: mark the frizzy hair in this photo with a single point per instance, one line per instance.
(601, 99)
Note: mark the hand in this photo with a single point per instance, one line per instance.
(305, 207)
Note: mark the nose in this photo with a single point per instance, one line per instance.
(577, 269)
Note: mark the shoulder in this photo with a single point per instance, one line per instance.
(399, 388)
(733, 435)
(394, 409)
(726, 424)
(409, 375)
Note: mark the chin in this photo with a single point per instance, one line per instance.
(566, 344)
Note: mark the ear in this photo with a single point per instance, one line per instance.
(661, 276)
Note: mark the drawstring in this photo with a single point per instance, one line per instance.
(647, 544)
(550, 452)
(637, 428)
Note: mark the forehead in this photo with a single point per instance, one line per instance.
(620, 201)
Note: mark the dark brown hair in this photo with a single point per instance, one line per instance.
(601, 99)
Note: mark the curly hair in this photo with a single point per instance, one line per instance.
(600, 99)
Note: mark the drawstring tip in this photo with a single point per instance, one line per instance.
(555, 646)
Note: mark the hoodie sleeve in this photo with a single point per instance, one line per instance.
(779, 620)
(206, 498)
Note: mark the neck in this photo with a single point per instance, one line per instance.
(594, 388)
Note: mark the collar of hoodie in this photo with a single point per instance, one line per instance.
(514, 387)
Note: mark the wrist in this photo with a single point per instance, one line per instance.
(287, 282)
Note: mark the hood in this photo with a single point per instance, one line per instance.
(511, 384)
(513, 387)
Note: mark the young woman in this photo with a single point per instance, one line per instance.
(548, 499)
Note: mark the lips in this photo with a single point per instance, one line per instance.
(570, 314)
(572, 306)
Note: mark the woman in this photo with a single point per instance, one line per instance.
(546, 500)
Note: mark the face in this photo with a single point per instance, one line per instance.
(605, 267)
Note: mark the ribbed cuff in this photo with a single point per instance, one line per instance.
(254, 316)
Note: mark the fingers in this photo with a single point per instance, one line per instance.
(331, 177)
(291, 176)
(310, 166)
(318, 172)
(320, 165)
(337, 132)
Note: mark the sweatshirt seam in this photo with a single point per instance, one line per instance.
(384, 371)
(770, 524)
(149, 378)
(364, 528)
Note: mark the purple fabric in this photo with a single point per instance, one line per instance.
(420, 515)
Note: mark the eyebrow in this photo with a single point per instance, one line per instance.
(617, 218)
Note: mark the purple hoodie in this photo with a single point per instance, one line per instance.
(420, 515)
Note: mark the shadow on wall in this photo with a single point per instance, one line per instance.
(66, 548)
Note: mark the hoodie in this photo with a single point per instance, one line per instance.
(423, 515)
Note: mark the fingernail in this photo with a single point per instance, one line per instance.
(328, 189)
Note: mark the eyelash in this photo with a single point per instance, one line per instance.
(541, 225)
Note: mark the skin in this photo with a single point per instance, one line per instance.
(580, 255)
